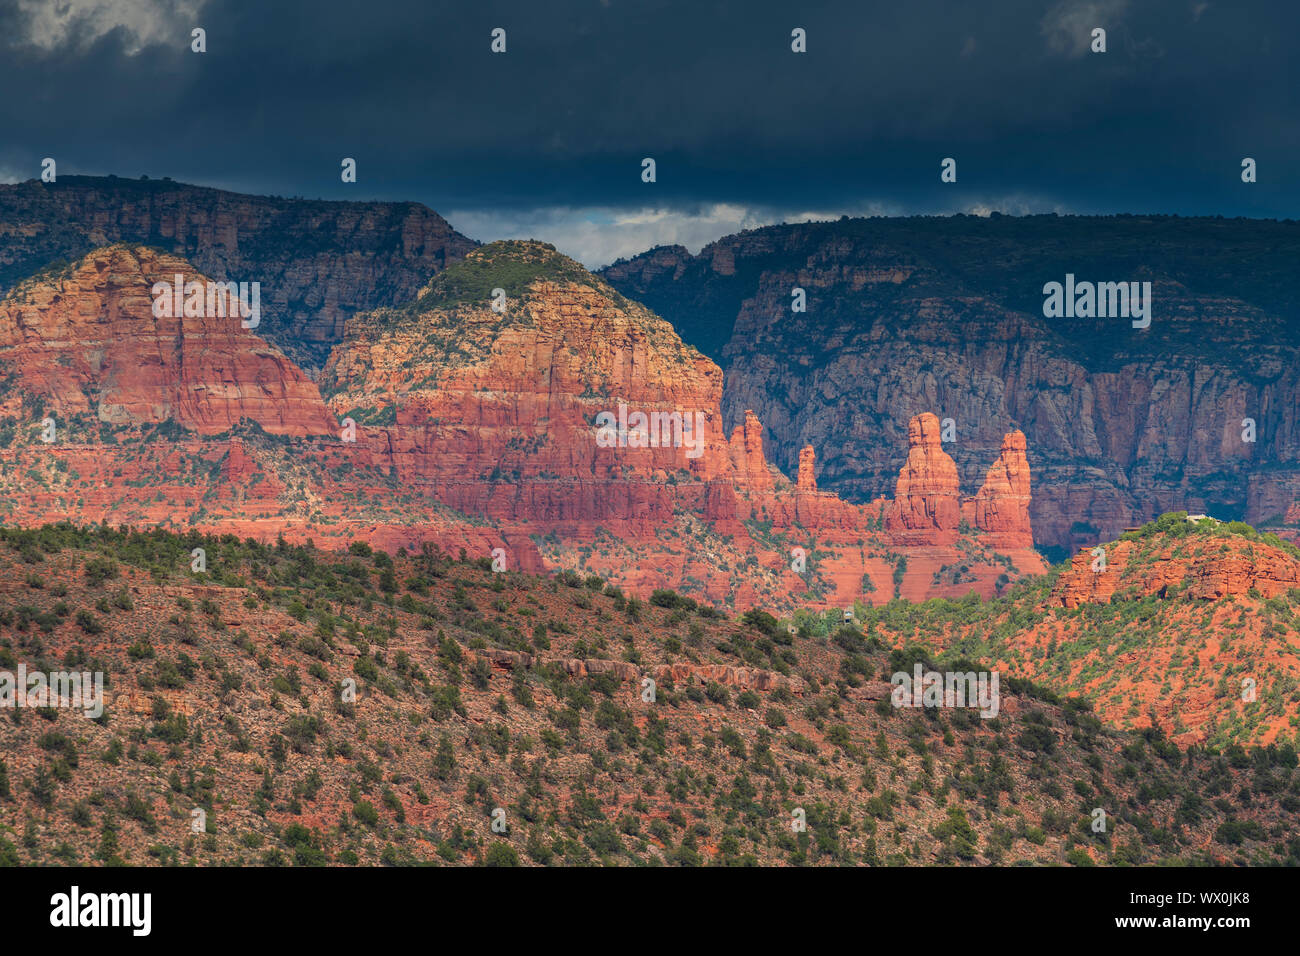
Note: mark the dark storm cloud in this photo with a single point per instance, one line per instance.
(710, 90)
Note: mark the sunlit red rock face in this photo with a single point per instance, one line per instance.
(928, 508)
(747, 460)
(89, 343)
(927, 498)
(1001, 507)
(922, 524)
(500, 414)
(165, 421)
(807, 475)
(245, 484)
(1208, 573)
(573, 429)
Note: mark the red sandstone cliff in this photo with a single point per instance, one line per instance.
(498, 414)
(502, 415)
(1209, 570)
(88, 342)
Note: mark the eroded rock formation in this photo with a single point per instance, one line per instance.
(1001, 506)
(88, 342)
(927, 497)
(576, 430)
(944, 313)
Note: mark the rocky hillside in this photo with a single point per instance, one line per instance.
(1191, 626)
(946, 315)
(318, 262)
(289, 706)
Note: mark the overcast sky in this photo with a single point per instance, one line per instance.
(547, 139)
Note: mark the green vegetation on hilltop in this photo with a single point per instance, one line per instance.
(508, 264)
(1175, 524)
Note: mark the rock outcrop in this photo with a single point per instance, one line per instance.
(1211, 571)
(748, 463)
(807, 480)
(502, 415)
(88, 342)
(928, 508)
(1001, 506)
(573, 410)
(575, 430)
(927, 497)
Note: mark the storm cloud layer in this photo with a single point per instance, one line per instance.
(547, 138)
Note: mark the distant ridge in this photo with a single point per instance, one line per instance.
(319, 261)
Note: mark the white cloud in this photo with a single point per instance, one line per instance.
(50, 25)
(598, 235)
(1068, 26)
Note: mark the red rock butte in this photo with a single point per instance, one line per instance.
(90, 344)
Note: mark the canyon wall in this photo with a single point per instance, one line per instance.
(945, 314)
